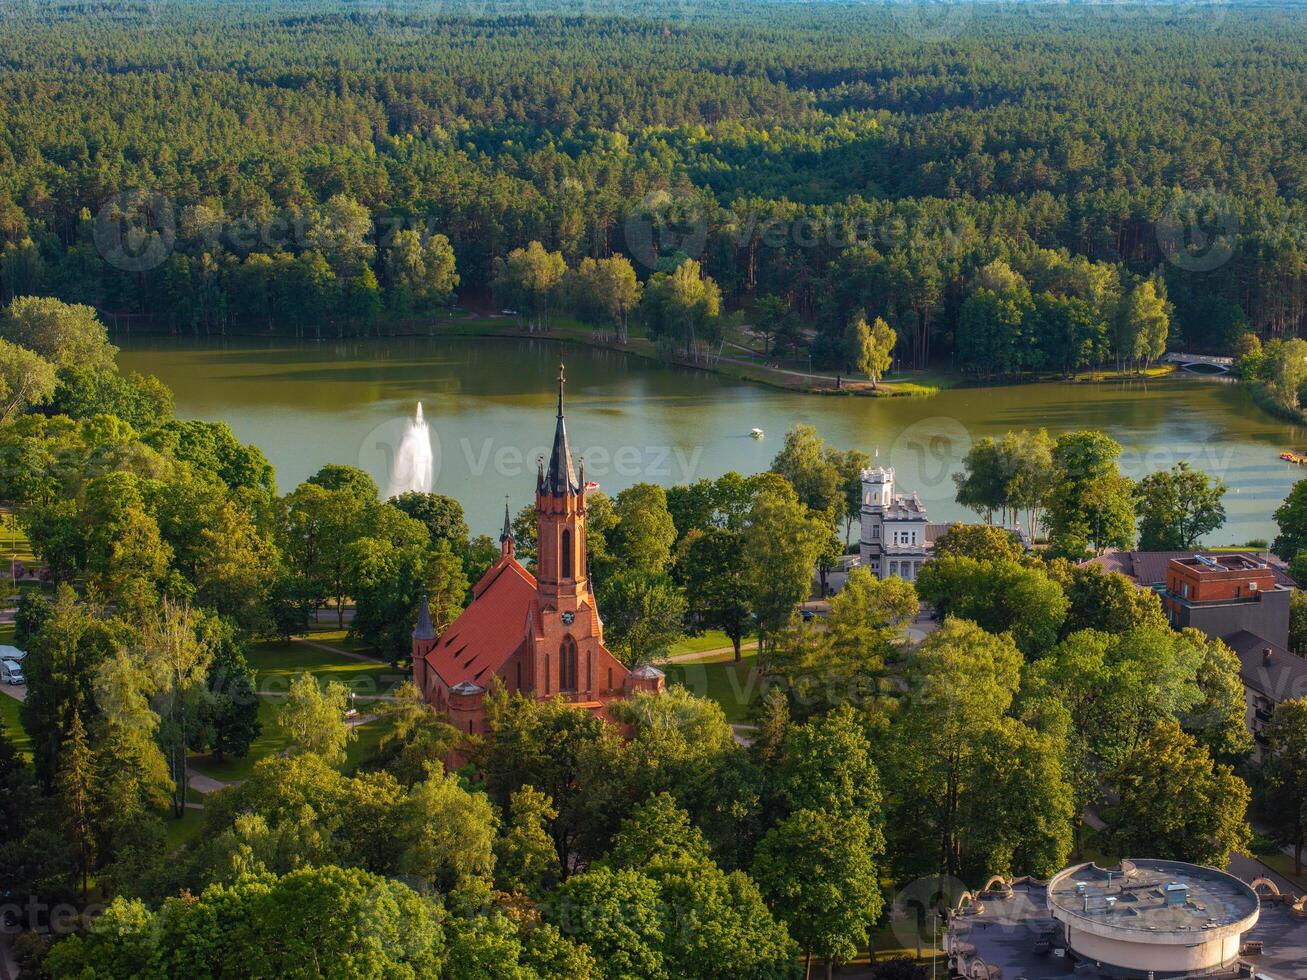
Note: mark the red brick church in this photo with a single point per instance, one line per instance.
(538, 634)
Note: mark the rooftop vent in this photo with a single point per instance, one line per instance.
(1176, 893)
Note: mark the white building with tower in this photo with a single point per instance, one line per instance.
(893, 540)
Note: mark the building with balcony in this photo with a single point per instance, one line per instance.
(1270, 674)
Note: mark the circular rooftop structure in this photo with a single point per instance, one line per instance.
(1164, 918)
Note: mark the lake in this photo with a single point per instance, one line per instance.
(490, 407)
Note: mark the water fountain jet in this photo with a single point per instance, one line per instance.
(413, 459)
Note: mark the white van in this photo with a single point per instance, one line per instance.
(11, 672)
(12, 653)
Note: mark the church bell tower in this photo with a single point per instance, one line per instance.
(560, 520)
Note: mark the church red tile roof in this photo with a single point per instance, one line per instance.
(491, 629)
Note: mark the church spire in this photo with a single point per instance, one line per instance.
(559, 479)
(424, 630)
(506, 536)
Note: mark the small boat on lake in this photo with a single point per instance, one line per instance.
(756, 433)
(1291, 457)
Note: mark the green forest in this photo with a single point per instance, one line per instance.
(1009, 188)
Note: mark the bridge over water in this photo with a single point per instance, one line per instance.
(1189, 362)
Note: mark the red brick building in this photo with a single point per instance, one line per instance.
(538, 634)
(1221, 594)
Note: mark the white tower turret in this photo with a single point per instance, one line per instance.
(893, 527)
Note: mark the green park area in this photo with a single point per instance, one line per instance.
(272, 740)
(707, 640)
(13, 542)
(13, 726)
(276, 664)
(718, 677)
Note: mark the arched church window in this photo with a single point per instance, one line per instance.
(567, 554)
(567, 665)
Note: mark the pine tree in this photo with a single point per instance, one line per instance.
(75, 788)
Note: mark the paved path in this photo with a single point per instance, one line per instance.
(1250, 869)
(202, 783)
(16, 691)
(743, 734)
(851, 384)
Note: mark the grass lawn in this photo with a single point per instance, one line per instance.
(271, 741)
(339, 639)
(14, 544)
(9, 708)
(365, 745)
(180, 830)
(708, 640)
(734, 686)
(275, 664)
(889, 941)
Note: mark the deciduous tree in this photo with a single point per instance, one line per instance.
(1177, 507)
(1177, 804)
(313, 718)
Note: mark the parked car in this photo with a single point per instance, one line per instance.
(11, 672)
(12, 653)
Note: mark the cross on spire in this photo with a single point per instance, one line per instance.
(560, 479)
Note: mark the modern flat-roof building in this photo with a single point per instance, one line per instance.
(1164, 920)
(1224, 594)
(1153, 918)
(1148, 569)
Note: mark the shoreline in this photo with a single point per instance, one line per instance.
(784, 378)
